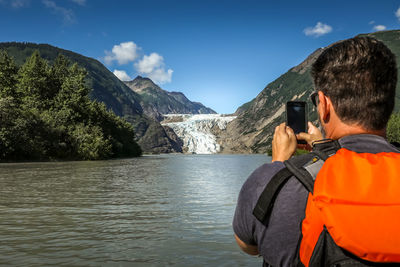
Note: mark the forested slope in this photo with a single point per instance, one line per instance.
(46, 113)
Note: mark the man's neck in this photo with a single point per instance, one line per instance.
(346, 130)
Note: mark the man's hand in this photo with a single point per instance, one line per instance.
(284, 143)
(314, 134)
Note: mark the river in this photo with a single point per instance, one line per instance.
(155, 210)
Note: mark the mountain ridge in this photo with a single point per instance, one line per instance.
(156, 101)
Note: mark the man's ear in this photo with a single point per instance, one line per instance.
(324, 106)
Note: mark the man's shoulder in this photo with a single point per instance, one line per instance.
(367, 143)
(260, 177)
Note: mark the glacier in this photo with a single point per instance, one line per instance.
(197, 131)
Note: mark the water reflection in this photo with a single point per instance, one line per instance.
(154, 210)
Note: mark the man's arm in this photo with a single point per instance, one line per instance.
(283, 147)
(249, 249)
(244, 223)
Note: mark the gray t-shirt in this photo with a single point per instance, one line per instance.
(277, 243)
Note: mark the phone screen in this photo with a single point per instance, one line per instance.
(296, 116)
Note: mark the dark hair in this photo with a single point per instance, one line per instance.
(359, 75)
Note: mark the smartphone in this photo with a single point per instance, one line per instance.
(296, 117)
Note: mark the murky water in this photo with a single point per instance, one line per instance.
(150, 211)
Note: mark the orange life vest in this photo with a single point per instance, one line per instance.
(356, 199)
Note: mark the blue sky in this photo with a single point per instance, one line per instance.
(219, 52)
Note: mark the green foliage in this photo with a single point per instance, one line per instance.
(89, 142)
(269, 151)
(301, 152)
(46, 113)
(393, 128)
(32, 79)
(8, 75)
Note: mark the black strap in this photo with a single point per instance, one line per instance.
(395, 144)
(325, 149)
(266, 264)
(263, 209)
(265, 203)
(303, 176)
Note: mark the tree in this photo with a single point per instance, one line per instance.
(57, 74)
(89, 142)
(46, 113)
(393, 128)
(33, 81)
(8, 75)
(21, 131)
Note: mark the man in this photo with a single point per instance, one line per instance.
(355, 81)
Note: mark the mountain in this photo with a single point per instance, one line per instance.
(156, 101)
(107, 88)
(252, 130)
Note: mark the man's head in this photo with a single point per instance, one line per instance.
(359, 77)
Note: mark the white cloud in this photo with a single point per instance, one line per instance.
(80, 2)
(371, 22)
(149, 63)
(161, 76)
(379, 28)
(398, 13)
(68, 14)
(318, 30)
(19, 3)
(123, 53)
(153, 66)
(121, 74)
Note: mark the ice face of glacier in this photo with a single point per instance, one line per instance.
(197, 131)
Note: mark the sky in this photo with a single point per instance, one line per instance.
(221, 53)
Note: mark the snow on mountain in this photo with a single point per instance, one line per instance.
(198, 131)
